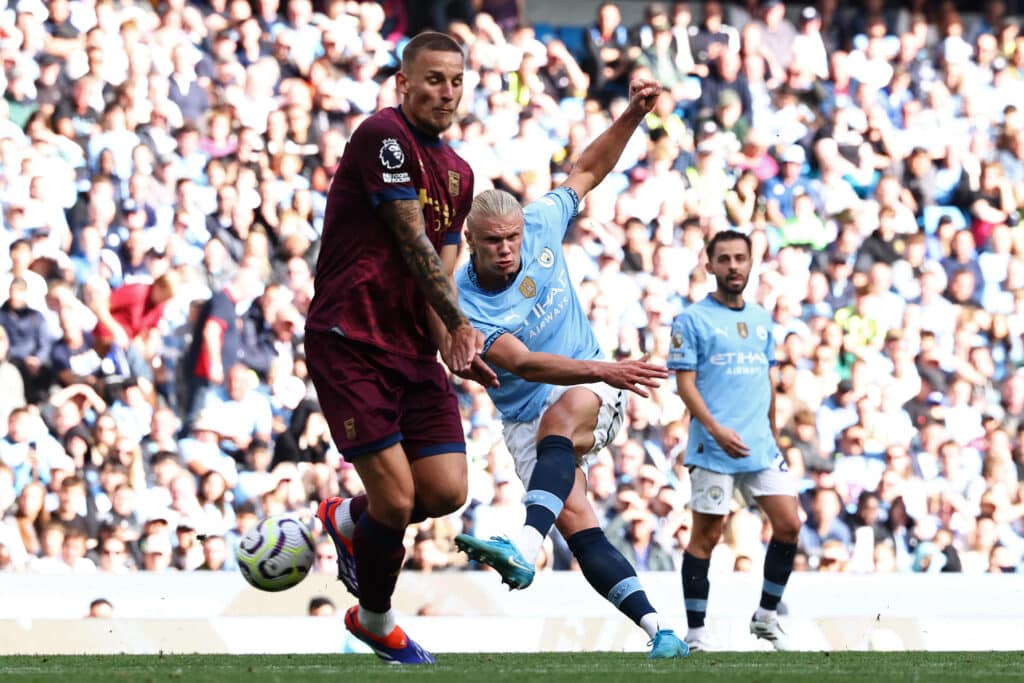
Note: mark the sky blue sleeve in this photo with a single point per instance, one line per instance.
(769, 347)
(490, 332)
(472, 309)
(682, 353)
(553, 212)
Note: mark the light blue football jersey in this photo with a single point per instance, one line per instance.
(731, 351)
(539, 307)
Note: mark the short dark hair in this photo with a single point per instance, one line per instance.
(428, 41)
(727, 236)
(320, 601)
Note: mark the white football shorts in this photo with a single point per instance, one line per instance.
(521, 437)
(712, 492)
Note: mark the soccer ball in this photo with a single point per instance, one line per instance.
(276, 554)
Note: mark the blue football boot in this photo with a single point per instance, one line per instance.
(502, 555)
(667, 645)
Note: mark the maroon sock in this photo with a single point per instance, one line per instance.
(379, 554)
(418, 513)
(357, 506)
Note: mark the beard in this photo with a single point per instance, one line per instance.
(730, 288)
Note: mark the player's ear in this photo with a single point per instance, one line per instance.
(401, 82)
(469, 239)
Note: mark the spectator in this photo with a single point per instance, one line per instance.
(100, 608)
(215, 346)
(778, 34)
(638, 544)
(27, 348)
(114, 558)
(154, 161)
(606, 44)
(156, 553)
(824, 526)
(725, 75)
(320, 606)
(780, 192)
(214, 554)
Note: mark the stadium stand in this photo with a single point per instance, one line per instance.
(156, 156)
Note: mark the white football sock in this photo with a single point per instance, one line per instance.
(649, 623)
(376, 623)
(529, 543)
(699, 633)
(343, 519)
(762, 614)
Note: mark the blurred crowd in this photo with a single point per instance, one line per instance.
(161, 164)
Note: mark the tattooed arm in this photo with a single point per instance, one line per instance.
(478, 371)
(405, 220)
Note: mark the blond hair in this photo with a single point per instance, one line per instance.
(492, 204)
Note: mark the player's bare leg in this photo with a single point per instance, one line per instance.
(379, 552)
(704, 536)
(441, 486)
(561, 436)
(783, 515)
(442, 483)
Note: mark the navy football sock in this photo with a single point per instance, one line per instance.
(610, 573)
(695, 589)
(550, 483)
(379, 553)
(778, 565)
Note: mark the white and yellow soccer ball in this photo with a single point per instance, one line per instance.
(276, 554)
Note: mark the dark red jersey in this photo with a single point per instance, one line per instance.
(364, 290)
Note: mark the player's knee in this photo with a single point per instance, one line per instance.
(445, 500)
(703, 541)
(558, 420)
(787, 531)
(393, 508)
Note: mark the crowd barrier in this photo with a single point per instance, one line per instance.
(473, 612)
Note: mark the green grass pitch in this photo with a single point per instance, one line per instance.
(875, 667)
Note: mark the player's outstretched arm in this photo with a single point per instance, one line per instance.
(511, 355)
(405, 220)
(601, 155)
(730, 441)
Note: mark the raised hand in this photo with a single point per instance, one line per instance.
(643, 94)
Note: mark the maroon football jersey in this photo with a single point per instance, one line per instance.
(364, 290)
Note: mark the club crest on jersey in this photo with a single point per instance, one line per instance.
(742, 329)
(391, 154)
(528, 287)
(677, 340)
(546, 258)
(454, 183)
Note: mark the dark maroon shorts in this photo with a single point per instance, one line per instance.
(373, 399)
